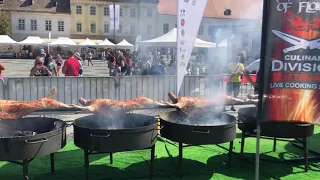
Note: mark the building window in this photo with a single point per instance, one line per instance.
(149, 29)
(106, 11)
(92, 10)
(33, 25)
(210, 30)
(21, 24)
(79, 27)
(200, 32)
(106, 28)
(120, 29)
(165, 28)
(149, 12)
(120, 13)
(132, 29)
(93, 28)
(132, 12)
(48, 25)
(79, 9)
(60, 26)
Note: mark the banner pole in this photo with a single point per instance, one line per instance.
(177, 78)
(261, 85)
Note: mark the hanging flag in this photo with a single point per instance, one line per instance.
(114, 14)
(111, 15)
(117, 16)
(292, 62)
(189, 16)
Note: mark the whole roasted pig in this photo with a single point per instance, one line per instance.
(188, 104)
(103, 107)
(17, 109)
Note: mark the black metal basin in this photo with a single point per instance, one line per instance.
(247, 118)
(27, 138)
(122, 133)
(220, 128)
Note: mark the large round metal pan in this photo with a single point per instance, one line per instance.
(220, 128)
(115, 134)
(247, 123)
(17, 141)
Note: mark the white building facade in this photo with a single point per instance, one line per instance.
(26, 24)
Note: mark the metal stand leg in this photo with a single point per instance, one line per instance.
(111, 158)
(25, 169)
(86, 163)
(52, 162)
(274, 144)
(180, 159)
(306, 164)
(243, 137)
(230, 153)
(152, 160)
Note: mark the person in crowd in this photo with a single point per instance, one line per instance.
(59, 63)
(123, 63)
(112, 65)
(128, 60)
(78, 57)
(214, 77)
(235, 68)
(90, 58)
(103, 55)
(39, 69)
(157, 68)
(253, 67)
(2, 68)
(71, 66)
(50, 65)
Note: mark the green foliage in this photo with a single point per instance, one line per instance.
(5, 24)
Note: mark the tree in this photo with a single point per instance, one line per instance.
(5, 24)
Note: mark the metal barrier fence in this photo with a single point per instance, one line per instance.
(70, 89)
(158, 87)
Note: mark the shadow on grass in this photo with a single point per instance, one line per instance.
(243, 167)
(69, 165)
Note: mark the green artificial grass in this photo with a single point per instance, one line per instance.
(199, 163)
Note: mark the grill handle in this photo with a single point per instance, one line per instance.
(36, 141)
(201, 132)
(158, 129)
(100, 136)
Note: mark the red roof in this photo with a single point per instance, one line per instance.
(240, 9)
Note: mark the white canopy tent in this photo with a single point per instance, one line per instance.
(87, 42)
(124, 44)
(6, 40)
(32, 40)
(106, 42)
(170, 39)
(63, 41)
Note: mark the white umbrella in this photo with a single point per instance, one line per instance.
(6, 40)
(63, 41)
(87, 42)
(106, 42)
(124, 44)
(32, 40)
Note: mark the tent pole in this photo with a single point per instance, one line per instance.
(114, 24)
(260, 112)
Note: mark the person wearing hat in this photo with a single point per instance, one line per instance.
(71, 66)
(78, 56)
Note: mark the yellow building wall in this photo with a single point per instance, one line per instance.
(126, 21)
